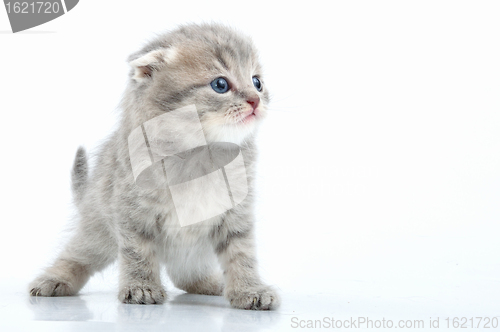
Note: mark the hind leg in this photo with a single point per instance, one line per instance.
(90, 250)
(210, 283)
(196, 270)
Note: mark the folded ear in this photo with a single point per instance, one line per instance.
(145, 65)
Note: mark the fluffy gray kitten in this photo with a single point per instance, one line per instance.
(216, 69)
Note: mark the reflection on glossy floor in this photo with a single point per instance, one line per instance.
(99, 310)
(185, 312)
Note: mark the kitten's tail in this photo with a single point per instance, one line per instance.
(79, 174)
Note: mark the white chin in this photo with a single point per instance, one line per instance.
(235, 133)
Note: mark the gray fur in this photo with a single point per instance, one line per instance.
(118, 219)
(79, 174)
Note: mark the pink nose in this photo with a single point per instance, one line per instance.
(254, 101)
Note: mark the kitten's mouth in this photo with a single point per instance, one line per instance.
(249, 116)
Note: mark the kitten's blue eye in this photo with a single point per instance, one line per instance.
(257, 83)
(220, 85)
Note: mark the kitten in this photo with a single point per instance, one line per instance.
(215, 69)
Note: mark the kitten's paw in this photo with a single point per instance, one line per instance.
(46, 286)
(254, 298)
(142, 294)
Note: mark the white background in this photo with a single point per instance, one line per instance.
(379, 175)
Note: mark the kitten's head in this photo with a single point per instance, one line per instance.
(210, 66)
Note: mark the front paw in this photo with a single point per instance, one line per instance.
(142, 294)
(253, 298)
(50, 286)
